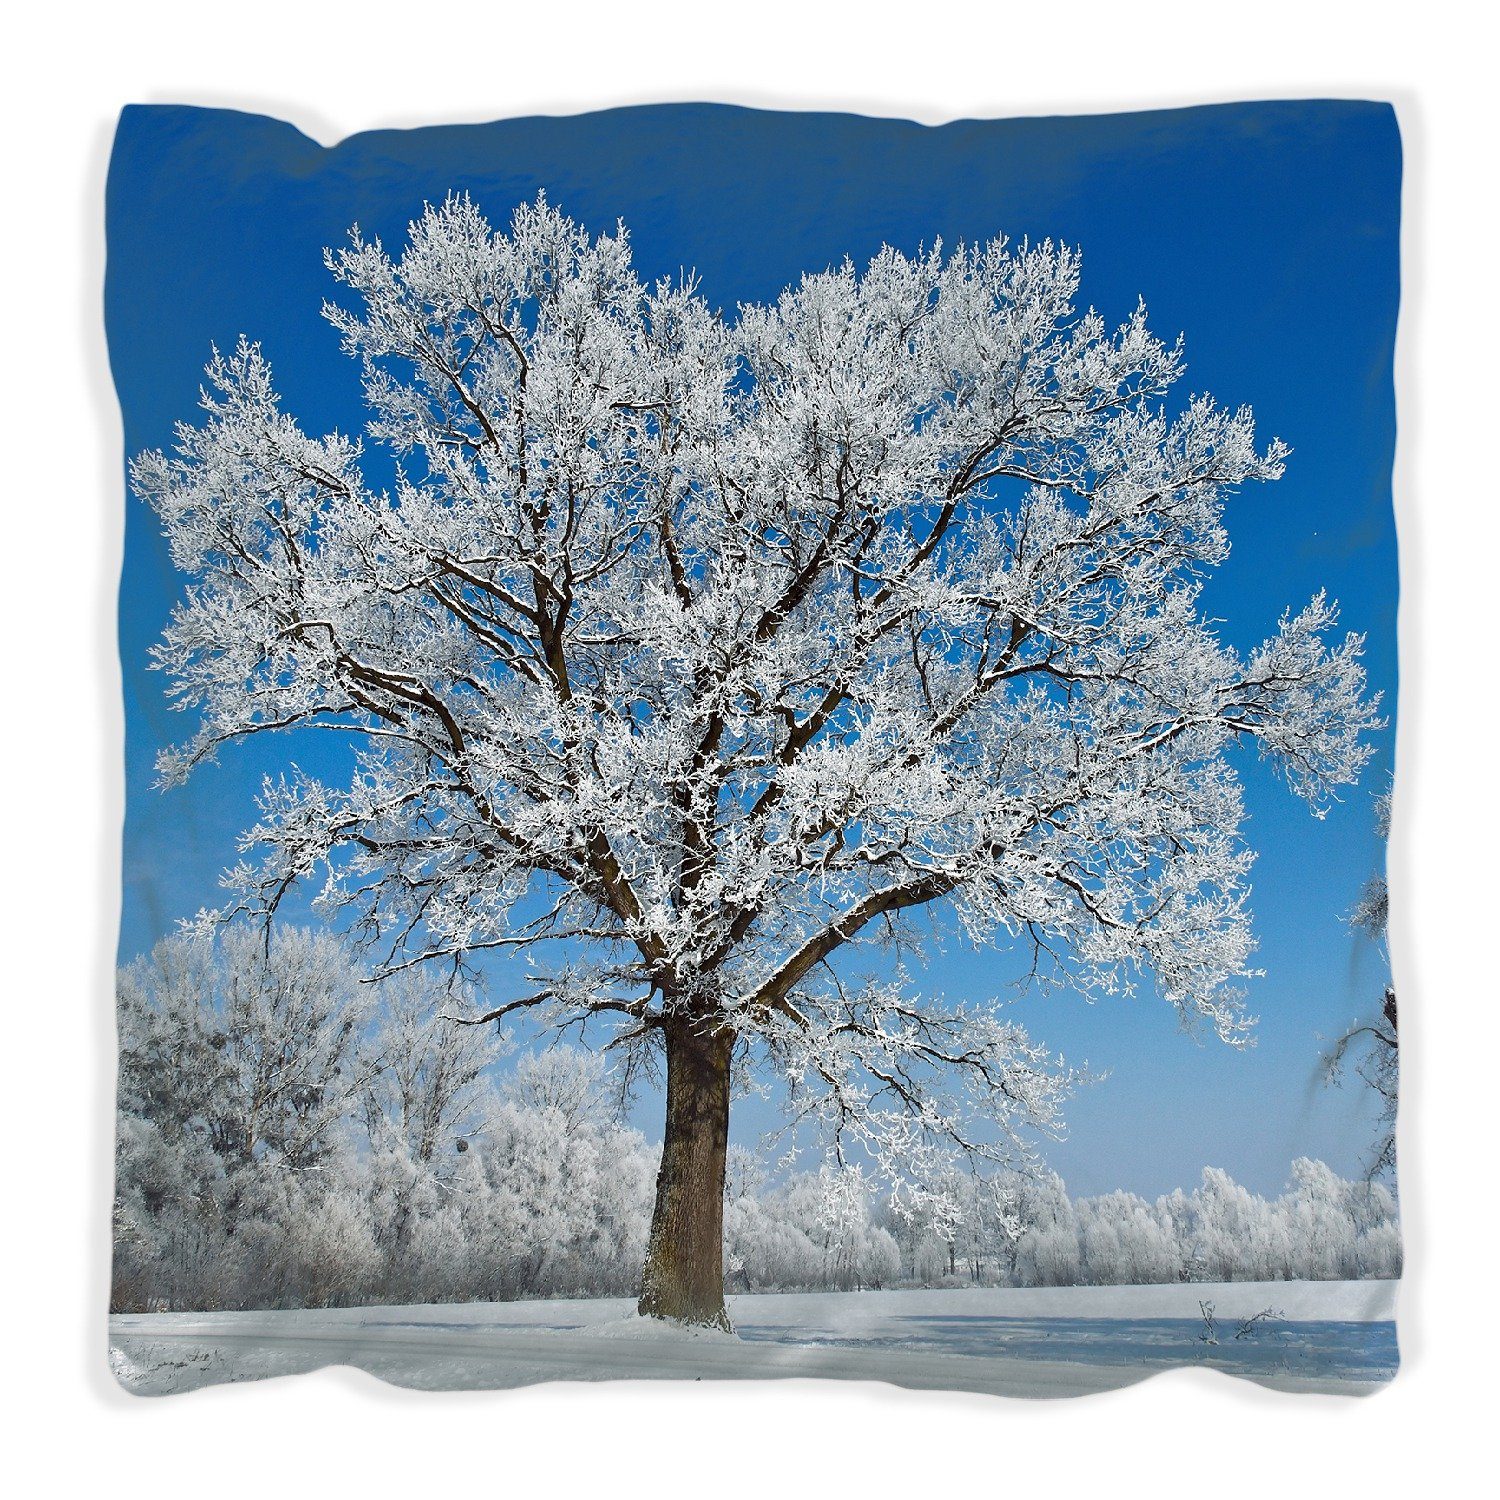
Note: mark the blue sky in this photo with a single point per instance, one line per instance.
(1266, 233)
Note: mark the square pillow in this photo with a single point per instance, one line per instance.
(734, 770)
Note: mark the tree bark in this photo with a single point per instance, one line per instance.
(684, 1274)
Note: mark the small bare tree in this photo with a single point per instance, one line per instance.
(1371, 1045)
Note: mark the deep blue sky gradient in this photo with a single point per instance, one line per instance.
(1268, 233)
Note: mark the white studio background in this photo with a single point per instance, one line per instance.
(335, 70)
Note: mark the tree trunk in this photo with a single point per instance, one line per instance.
(684, 1274)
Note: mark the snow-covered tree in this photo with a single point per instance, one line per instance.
(240, 1068)
(427, 1087)
(1124, 1242)
(545, 1198)
(1047, 1251)
(571, 1081)
(832, 1208)
(763, 1246)
(703, 649)
(1234, 1234)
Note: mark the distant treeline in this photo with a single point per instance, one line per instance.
(1321, 1228)
(289, 1137)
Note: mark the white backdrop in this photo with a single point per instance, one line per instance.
(336, 70)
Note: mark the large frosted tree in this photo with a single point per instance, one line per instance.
(1371, 1046)
(684, 655)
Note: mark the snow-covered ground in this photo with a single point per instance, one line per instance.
(1064, 1341)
